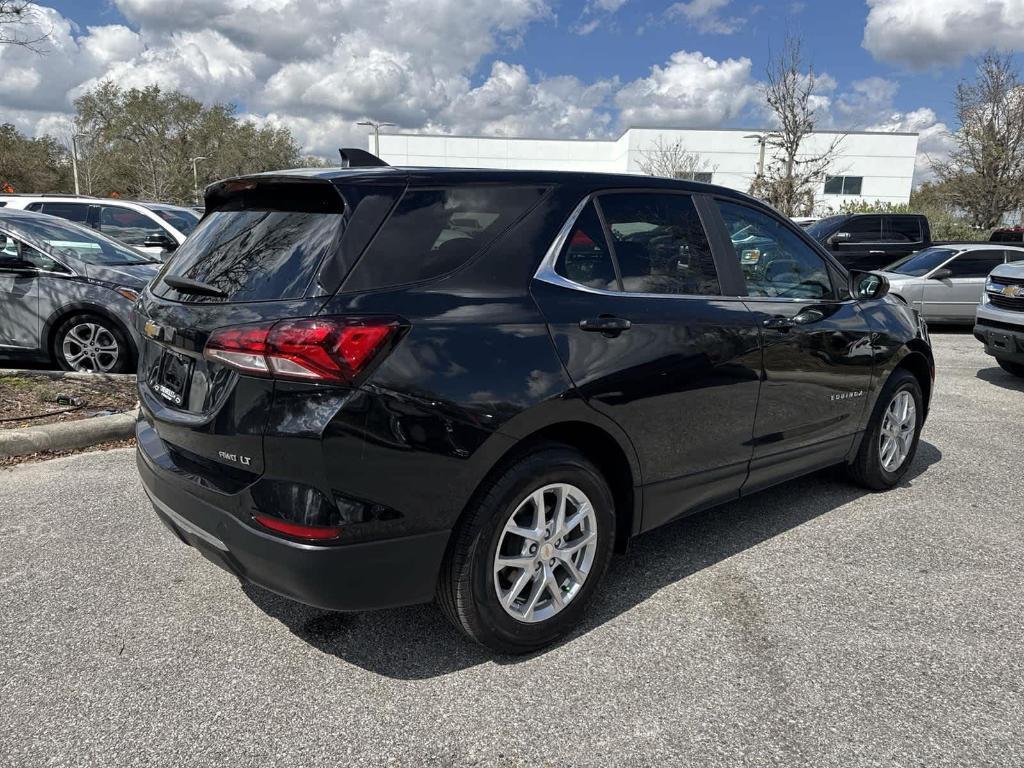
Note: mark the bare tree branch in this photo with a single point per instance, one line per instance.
(791, 177)
(20, 25)
(672, 161)
(984, 175)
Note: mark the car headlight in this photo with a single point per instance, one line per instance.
(129, 293)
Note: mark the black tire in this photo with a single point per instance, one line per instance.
(466, 589)
(125, 360)
(1010, 367)
(867, 468)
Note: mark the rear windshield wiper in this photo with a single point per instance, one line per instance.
(185, 285)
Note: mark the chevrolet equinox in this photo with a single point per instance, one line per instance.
(371, 387)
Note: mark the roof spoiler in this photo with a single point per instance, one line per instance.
(358, 158)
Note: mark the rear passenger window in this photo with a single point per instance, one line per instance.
(71, 211)
(585, 258)
(126, 225)
(1014, 255)
(974, 263)
(904, 229)
(433, 231)
(659, 243)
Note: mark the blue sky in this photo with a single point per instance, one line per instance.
(512, 67)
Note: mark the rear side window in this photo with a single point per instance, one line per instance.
(863, 229)
(1015, 255)
(659, 243)
(585, 259)
(975, 263)
(433, 231)
(126, 225)
(71, 211)
(904, 229)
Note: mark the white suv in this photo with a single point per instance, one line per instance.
(156, 229)
(999, 322)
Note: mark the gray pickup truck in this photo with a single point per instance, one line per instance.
(999, 322)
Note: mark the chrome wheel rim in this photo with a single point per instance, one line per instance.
(545, 552)
(90, 347)
(898, 427)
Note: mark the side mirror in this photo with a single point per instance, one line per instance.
(868, 285)
(159, 241)
(941, 274)
(839, 237)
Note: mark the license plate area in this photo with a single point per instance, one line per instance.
(999, 341)
(170, 377)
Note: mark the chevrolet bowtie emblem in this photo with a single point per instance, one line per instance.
(155, 331)
(1013, 291)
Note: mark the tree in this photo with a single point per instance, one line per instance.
(984, 174)
(17, 25)
(791, 176)
(32, 165)
(672, 161)
(140, 143)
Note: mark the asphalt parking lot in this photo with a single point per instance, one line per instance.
(813, 624)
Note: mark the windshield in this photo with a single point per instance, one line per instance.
(921, 263)
(824, 227)
(182, 219)
(83, 244)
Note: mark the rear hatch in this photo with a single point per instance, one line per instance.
(269, 248)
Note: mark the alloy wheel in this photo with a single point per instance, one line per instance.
(898, 426)
(90, 347)
(545, 552)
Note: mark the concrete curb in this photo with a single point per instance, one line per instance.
(65, 436)
(73, 375)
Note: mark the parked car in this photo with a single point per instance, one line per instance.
(367, 403)
(153, 228)
(999, 320)
(1007, 235)
(66, 293)
(944, 283)
(867, 241)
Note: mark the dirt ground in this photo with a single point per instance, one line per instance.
(29, 399)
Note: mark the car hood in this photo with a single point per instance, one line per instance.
(1010, 270)
(128, 275)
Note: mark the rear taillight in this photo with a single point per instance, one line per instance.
(297, 530)
(317, 348)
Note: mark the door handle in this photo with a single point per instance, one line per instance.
(606, 324)
(783, 324)
(876, 253)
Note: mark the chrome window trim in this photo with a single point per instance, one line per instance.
(546, 271)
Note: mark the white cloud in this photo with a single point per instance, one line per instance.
(595, 13)
(706, 16)
(925, 33)
(691, 90)
(934, 140)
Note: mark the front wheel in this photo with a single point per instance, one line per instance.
(92, 344)
(890, 441)
(528, 555)
(1010, 367)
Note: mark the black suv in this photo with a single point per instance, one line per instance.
(371, 387)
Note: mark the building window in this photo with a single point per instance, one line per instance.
(704, 177)
(843, 185)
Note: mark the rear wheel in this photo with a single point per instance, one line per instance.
(890, 442)
(1010, 367)
(93, 344)
(528, 555)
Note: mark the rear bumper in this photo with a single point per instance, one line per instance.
(1002, 341)
(352, 577)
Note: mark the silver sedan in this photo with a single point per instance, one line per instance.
(944, 283)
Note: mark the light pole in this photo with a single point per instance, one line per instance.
(376, 133)
(762, 139)
(74, 158)
(195, 177)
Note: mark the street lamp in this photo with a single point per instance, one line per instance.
(762, 139)
(376, 133)
(74, 158)
(195, 176)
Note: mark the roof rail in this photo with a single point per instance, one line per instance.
(359, 158)
(44, 194)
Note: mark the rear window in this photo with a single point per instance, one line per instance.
(433, 231)
(255, 255)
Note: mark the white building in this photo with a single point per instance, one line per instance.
(868, 166)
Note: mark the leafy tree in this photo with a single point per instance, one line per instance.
(790, 179)
(32, 165)
(141, 143)
(984, 175)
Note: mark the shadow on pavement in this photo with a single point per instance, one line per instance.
(417, 642)
(999, 377)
